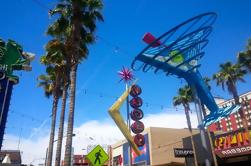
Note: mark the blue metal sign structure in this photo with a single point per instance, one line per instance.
(177, 52)
(12, 57)
(6, 87)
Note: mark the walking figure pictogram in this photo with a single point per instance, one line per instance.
(97, 155)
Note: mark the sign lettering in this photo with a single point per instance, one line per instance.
(178, 152)
(232, 144)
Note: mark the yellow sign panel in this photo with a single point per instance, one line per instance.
(118, 119)
(97, 156)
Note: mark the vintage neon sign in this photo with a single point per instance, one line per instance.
(233, 144)
(118, 119)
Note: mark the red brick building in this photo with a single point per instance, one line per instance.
(234, 121)
(79, 160)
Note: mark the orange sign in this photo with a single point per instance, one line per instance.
(232, 144)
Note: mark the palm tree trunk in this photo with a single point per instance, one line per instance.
(68, 146)
(235, 94)
(61, 127)
(53, 123)
(191, 133)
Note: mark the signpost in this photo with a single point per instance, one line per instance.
(97, 156)
(179, 152)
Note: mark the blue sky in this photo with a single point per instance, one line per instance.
(118, 43)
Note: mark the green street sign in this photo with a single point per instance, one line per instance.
(13, 58)
(97, 156)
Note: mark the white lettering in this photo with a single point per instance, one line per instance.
(236, 150)
(243, 149)
(233, 151)
(229, 151)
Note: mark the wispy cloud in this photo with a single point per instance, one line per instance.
(91, 133)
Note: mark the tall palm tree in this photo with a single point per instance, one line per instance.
(56, 56)
(61, 122)
(229, 75)
(49, 83)
(244, 57)
(75, 25)
(184, 98)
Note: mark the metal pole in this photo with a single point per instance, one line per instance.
(212, 148)
(128, 125)
(210, 138)
(19, 139)
(198, 110)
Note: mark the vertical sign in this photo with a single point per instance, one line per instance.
(5, 94)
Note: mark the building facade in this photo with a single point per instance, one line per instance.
(230, 142)
(14, 156)
(234, 121)
(158, 149)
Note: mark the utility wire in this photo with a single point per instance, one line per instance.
(23, 115)
(107, 95)
(42, 5)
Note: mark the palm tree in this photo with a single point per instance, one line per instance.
(61, 122)
(49, 83)
(244, 57)
(46, 84)
(56, 56)
(184, 98)
(229, 75)
(75, 25)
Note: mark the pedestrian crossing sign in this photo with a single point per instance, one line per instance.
(97, 156)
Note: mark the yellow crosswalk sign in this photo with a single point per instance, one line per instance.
(97, 156)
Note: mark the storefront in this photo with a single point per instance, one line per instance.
(230, 142)
(233, 148)
(143, 159)
(158, 149)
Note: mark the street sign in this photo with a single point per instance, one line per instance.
(97, 156)
(179, 152)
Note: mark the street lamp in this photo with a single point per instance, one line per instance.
(88, 147)
(35, 160)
